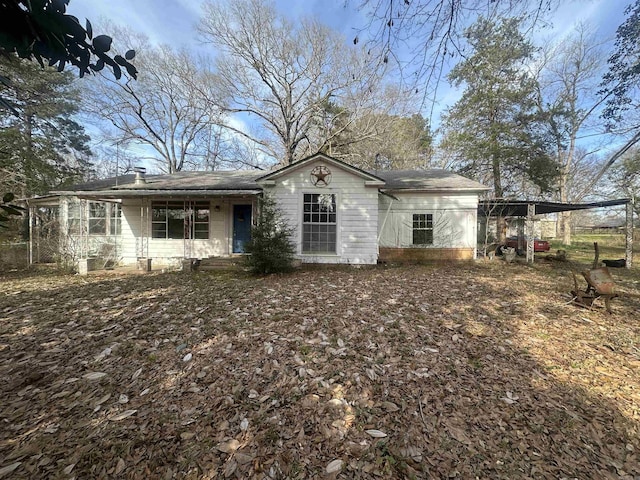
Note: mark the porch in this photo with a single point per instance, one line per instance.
(90, 233)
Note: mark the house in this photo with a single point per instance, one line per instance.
(341, 214)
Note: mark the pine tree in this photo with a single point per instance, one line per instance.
(41, 143)
(494, 127)
(270, 248)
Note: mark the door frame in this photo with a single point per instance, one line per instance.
(233, 205)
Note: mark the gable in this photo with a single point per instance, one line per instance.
(322, 163)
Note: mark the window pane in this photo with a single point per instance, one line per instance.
(202, 215)
(115, 222)
(175, 213)
(74, 226)
(74, 210)
(159, 230)
(418, 237)
(115, 227)
(98, 210)
(97, 226)
(175, 227)
(319, 238)
(319, 229)
(422, 229)
(159, 214)
(97, 218)
(201, 231)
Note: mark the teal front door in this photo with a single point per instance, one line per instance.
(241, 227)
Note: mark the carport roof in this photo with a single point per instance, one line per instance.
(518, 208)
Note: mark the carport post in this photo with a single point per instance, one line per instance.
(531, 211)
(628, 251)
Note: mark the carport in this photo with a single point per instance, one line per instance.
(529, 208)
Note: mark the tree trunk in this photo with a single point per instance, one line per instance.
(501, 223)
(29, 160)
(565, 219)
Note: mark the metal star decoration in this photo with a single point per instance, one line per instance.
(321, 176)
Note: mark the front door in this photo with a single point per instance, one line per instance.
(241, 227)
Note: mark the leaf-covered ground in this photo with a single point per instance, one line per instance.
(459, 371)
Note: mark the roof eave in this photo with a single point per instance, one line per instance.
(437, 190)
(159, 192)
(339, 163)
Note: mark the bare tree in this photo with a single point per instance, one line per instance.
(568, 96)
(170, 109)
(625, 178)
(399, 142)
(420, 36)
(287, 75)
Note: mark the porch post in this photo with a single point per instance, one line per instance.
(628, 252)
(531, 211)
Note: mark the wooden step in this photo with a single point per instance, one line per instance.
(217, 263)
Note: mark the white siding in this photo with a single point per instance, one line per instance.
(137, 241)
(454, 219)
(84, 244)
(357, 217)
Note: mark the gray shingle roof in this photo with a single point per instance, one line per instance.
(430, 180)
(433, 179)
(221, 180)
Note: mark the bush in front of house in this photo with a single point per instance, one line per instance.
(270, 249)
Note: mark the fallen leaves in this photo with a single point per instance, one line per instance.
(4, 471)
(334, 466)
(375, 373)
(375, 433)
(122, 416)
(510, 399)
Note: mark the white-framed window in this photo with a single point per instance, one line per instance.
(97, 218)
(319, 223)
(422, 229)
(180, 220)
(74, 215)
(115, 219)
(201, 214)
(94, 218)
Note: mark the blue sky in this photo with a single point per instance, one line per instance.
(174, 21)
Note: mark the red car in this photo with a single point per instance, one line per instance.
(538, 244)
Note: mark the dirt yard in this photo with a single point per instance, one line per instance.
(457, 371)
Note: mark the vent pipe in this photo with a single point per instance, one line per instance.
(140, 171)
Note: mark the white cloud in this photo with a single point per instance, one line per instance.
(166, 21)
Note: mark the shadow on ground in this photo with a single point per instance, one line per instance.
(417, 372)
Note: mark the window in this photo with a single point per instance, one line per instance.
(94, 218)
(319, 225)
(422, 229)
(115, 219)
(201, 221)
(179, 220)
(97, 218)
(73, 223)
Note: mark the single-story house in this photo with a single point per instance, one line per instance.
(341, 214)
